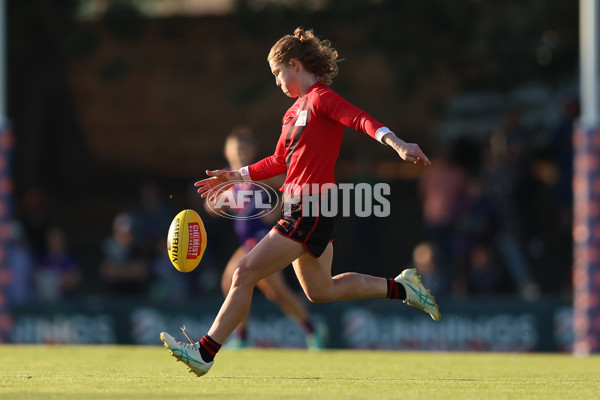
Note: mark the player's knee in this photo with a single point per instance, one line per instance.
(244, 274)
(318, 296)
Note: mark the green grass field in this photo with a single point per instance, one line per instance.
(128, 372)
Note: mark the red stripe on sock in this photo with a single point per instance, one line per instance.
(210, 345)
(393, 291)
(390, 285)
(212, 341)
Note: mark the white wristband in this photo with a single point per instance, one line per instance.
(381, 133)
(245, 174)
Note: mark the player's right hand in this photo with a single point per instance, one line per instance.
(219, 182)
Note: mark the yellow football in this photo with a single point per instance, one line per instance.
(186, 240)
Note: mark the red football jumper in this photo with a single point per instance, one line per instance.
(311, 137)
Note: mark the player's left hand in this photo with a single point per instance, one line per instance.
(410, 152)
(219, 182)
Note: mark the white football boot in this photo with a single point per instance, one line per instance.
(187, 353)
(416, 294)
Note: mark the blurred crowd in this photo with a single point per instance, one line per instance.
(133, 258)
(497, 212)
(490, 206)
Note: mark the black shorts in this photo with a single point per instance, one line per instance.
(313, 232)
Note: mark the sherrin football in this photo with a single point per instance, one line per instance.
(186, 240)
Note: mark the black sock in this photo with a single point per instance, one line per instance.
(208, 348)
(395, 290)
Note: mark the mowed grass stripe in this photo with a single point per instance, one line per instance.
(138, 372)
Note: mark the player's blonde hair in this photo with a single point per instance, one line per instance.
(316, 55)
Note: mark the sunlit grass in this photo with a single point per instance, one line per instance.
(130, 372)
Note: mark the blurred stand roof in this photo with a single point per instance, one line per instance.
(95, 9)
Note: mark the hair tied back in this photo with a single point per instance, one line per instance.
(301, 35)
(317, 56)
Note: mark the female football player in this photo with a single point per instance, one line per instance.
(239, 151)
(307, 149)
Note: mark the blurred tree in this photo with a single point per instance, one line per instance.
(50, 151)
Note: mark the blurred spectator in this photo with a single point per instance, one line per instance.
(423, 261)
(58, 273)
(515, 143)
(124, 268)
(500, 178)
(502, 171)
(21, 264)
(440, 185)
(485, 275)
(167, 283)
(35, 219)
(476, 225)
(150, 219)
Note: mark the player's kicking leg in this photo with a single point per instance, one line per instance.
(270, 255)
(239, 338)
